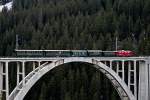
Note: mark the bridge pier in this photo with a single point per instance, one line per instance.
(149, 78)
(7, 80)
(1, 79)
(143, 81)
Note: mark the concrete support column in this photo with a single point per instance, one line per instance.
(129, 74)
(23, 72)
(7, 80)
(149, 78)
(18, 73)
(143, 81)
(123, 70)
(33, 66)
(110, 64)
(1, 79)
(39, 64)
(117, 67)
(135, 82)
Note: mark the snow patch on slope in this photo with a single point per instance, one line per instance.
(8, 5)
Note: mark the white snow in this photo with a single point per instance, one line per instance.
(1, 7)
(8, 5)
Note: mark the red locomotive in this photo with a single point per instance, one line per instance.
(123, 53)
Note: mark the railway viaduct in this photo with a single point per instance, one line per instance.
(135, 70)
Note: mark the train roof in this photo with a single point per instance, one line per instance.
(55, 50)
(29, 50)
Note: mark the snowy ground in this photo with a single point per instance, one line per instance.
(8, 5)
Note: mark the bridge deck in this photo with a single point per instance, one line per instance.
(56, 58)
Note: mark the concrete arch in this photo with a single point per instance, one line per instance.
(121, 87)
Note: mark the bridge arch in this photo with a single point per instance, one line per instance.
(27, 83)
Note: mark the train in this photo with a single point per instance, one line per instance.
(73, 53)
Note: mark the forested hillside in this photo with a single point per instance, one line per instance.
(75, 24)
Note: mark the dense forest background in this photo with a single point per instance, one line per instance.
(76, 24)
